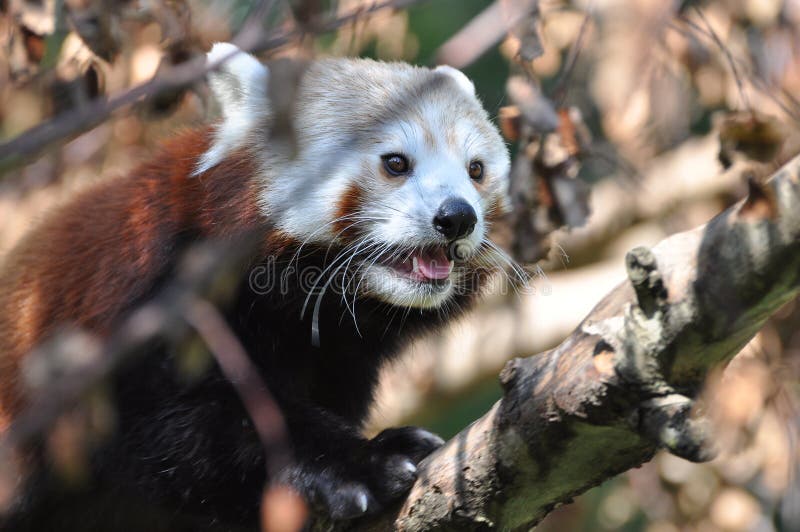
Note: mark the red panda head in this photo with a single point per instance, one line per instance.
(397, 167)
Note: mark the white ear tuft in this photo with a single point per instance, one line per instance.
(463, 81)
(239, 83)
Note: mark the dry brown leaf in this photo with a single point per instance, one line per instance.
(751, 134)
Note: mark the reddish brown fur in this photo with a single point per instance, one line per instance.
(349, 204)
(104, 249)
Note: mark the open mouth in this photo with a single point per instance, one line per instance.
(425, 265)
(422, 277)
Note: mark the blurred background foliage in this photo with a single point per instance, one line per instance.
(668, 90)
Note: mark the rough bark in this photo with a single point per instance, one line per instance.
(621, 385)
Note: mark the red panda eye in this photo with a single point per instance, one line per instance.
(395, 164)
(476, 170)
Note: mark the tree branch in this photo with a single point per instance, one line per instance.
(621, 385)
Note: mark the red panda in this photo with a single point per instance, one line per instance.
(393, 178)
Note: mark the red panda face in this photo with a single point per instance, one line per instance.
(426, 183)
(396, 167)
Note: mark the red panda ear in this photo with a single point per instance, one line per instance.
(239, 84)
(463, 81)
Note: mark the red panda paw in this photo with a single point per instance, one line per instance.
(343, 490)
(394, 456)
(365, 481)
(413, 442)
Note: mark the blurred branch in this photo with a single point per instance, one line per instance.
(281, 508)
(687, 174)
(621, 385)
(243, 375)
(485, 30)
(252, 39)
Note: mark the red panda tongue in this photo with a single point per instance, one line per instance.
(434, 264)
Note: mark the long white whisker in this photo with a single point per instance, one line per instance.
(360, 218)
(370, 244)
(493, 257)
(340, 256)
(315, 315)
(368, 263)
(521, 274)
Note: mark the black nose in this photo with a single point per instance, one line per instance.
(456, 219)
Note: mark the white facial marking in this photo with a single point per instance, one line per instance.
(239, 85)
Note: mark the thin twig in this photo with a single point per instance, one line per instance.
(562, 85)
(728, 57)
